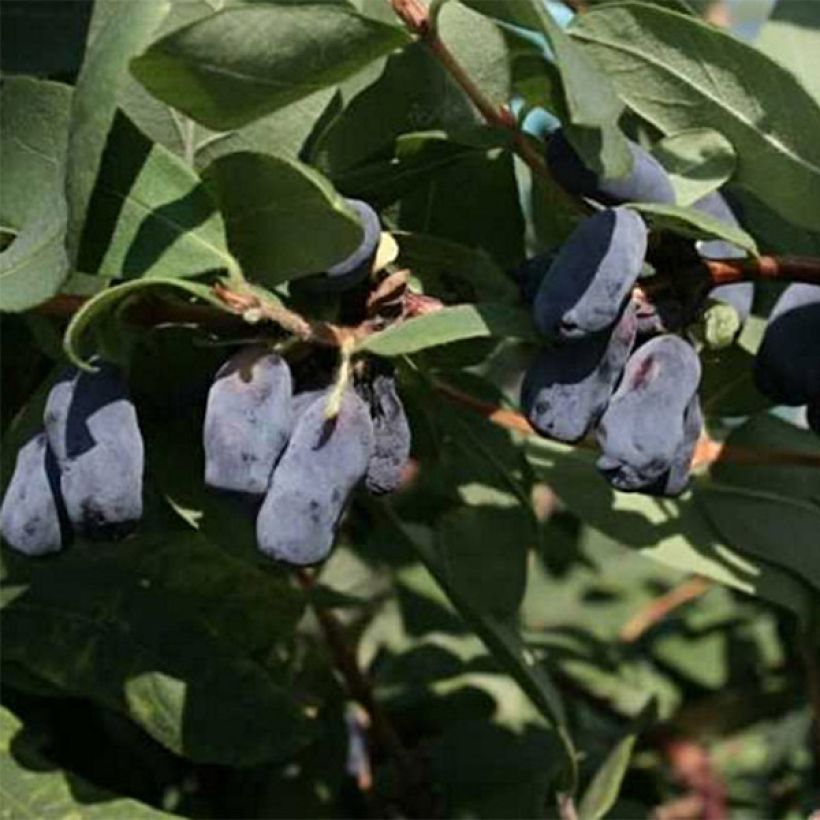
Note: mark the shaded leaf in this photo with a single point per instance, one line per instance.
(769, 511)
(489, 218)
(237, 65)
(151, 214)
(284, 219)
(451, 324)
(118, 31)
(32, 203)
(31, 786)
(498, 634)
(481, 542)
(453, 272)
(109, 630)
(675, 87)
(46, 37)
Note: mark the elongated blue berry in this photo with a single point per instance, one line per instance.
(566, 389)
(676, 479)
(93, 430)
(30, 517)
(588, 284)
(323, 462)
(643, 426)
(248, 419)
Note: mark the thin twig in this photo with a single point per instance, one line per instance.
(566, 807)
(415, 16)
(658, 609)
(358, 686)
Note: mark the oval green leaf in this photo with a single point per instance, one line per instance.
(242, 63)
(452, 324)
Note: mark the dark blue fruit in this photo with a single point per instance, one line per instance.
(322, 463)
(566, 389)
(93, 430)
(391, 436)
(676, 479)
(740, 295)
(30, 518)
(787, 365)
(643, 425)
(588, 284)
(355, 268)
(646, 182)
(248, 420)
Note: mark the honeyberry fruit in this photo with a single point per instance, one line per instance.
(30, 517)
(324, 460)
(643, 425)
(248, 420)
(566, 389)
(94, 433)
(589, 282)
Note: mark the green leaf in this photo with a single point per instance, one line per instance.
(791, 37)
(284, 219)
(695, 224)
(151, 213)
(96, 308)
(605, 786)
(676, 532)
(764, 510)
(242, 63)
(46, 38)
(117, 33)
(415, 93)
(490, 218)
(419, 159)
(453, 272)
(698, 162)
(679, 73)
(480, 542)
(498, 634)
(451, 324)
(32, 786)
(32, 203)
(128, 626)
(726, 386)
(592, 106)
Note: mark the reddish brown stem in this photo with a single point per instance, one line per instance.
(415, 16)
(659, 608)
(796, 268)
(693, 768)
